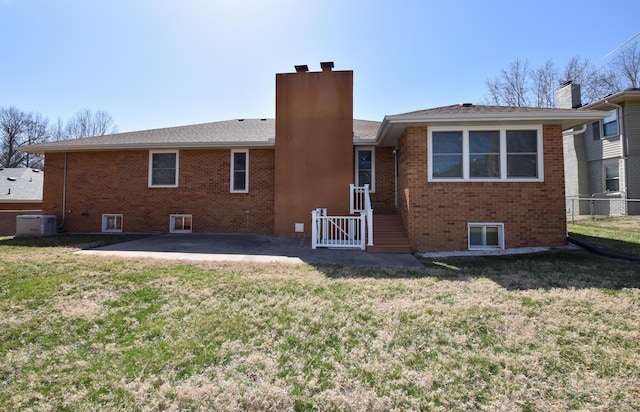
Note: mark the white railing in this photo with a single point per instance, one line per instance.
(337, 231)
(361, 202)
(345, 231)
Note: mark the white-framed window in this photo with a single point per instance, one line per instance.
(366, 167)
(486, 235)
(112, 222)
(611, 175)
(163, 168)
(610, 124)
(180, 223)
(239, 171)
(493, 153)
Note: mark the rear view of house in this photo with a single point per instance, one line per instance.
(455, 177)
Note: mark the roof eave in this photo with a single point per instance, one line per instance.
(44, 148)
(614, 98)
(388, 132)
(7, 201)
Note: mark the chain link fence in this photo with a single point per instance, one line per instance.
(600, 206)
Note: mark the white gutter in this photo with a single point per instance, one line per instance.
(573, 132)
(42, 148)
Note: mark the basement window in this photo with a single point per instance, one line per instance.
(180, 224)
(486, 236)
(112, 222)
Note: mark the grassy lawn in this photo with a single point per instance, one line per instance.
(619, 235)
(546, 332)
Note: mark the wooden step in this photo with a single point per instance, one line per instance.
(389, 235)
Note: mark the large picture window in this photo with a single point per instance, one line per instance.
(522, 153)
(163, 169)
(485, 154)
(446, 157)
(239, 171)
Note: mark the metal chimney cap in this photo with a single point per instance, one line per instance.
(302, 68)
(326, 65)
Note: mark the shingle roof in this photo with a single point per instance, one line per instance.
(467, 108)
(19, 185)
(228, 133)
(470, 114)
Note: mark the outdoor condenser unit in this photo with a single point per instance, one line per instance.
(35, 225)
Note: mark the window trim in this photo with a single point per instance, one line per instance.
(105, 216)
(372, 149)
(150, 181)
(503, 154)
(172, 227)
(232, 172)
(610, 163)
(484, 225)
(614, 113)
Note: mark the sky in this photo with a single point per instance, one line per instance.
(162, 63)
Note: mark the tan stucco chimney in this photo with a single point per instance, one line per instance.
(568, 96)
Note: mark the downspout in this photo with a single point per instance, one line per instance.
(395, 176)
(574, 132)
(64, 192)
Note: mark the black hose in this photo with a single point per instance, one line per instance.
(598, 251)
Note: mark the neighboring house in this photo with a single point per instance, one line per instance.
(20, 194)
(603, 157)
(460, 176)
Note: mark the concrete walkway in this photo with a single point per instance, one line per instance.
(247, 248)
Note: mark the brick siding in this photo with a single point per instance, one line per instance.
(117, 182)
(383, 200)
(10, 211)
(436, 214)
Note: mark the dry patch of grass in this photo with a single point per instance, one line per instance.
(555, 331)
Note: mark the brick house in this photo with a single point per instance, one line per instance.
(20, 194)
(456, 177)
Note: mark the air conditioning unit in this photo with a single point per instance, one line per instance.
(35, 225)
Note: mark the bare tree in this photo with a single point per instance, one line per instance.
(595, 84)
(17, 129)
(545, 82)
(511, 87)
(628, 65)
(86, 123)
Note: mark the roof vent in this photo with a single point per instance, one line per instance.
(263, 120)
(302, 68)
(466, 104)
(35, 170)
(11, 179)
(326, 66)
(241, 120)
